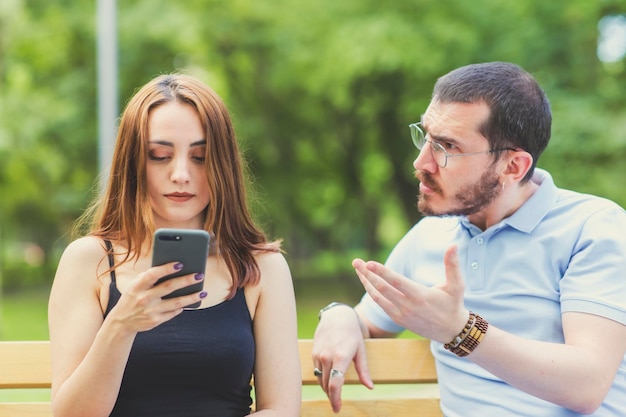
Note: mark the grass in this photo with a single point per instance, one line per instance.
(24, 315)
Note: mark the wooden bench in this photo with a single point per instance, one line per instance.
(405, 362)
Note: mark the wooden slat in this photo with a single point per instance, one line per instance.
(416, 407)
(398, 361)
(390, 361)
(25, 364)
(25, 410)
(412, 407)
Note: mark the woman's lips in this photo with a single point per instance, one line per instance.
(179, 197)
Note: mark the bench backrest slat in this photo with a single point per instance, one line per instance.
(391, 361)
(25, 364)
(389, 407)
(25, 410)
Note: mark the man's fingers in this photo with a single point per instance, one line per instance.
(454, 281)
(336, 379)
(331, 380)
(332, 368)
(332, 374)
(386, 287)
(382, 278)
(362, 370)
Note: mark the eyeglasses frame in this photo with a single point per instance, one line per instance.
(437, 147)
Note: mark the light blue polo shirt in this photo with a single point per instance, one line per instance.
(561, 251)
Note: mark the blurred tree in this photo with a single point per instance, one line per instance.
(328, 89)
(47, 128)
(322, 93)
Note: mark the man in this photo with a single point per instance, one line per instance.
(520, 285)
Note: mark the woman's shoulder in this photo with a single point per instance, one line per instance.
(271, 261)
(86, 246)
(82, 260)
(84, 252)
(275, 272)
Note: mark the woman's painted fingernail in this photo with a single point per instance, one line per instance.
(178, 266)
(199, 276)
(203, 294)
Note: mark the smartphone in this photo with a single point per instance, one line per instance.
(188, 246)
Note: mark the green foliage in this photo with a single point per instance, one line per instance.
(322, 93)
(25, 316)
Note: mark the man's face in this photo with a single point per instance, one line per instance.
(468, 184)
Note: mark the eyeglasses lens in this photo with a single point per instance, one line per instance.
(417, 135)
(419, 140)
(439, 154)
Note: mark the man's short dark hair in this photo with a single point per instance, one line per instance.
(520, 111)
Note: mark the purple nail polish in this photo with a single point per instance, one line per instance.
(178, 266)
(199, 276)
(203, 294)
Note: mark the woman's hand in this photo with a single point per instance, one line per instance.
(142, 306)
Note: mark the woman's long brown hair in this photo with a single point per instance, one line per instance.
(123, 213)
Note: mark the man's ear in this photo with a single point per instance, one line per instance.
(519, 162)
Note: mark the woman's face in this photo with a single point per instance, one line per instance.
(177, 182)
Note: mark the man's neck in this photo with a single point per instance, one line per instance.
(507, 203)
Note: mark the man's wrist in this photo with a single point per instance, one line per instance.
(364, 330)
(332, 305)
(468, 339)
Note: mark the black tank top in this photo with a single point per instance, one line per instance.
(198, 364)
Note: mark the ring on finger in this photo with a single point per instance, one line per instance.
(317, 372)
(336, 372)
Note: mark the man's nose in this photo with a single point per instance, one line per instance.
(424, 160)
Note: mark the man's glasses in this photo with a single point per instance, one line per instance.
(437, 150)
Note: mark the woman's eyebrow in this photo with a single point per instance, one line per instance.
(161, 142)
(199, 142)
(171, 144)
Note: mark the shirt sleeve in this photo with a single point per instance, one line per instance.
(595, 280)
(398, 261)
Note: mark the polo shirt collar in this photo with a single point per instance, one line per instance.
(530, 214)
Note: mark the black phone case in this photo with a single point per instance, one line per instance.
(188, 246)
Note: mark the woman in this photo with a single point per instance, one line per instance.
(118, 347)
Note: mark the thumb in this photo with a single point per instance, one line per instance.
(360, 365)
(454, 281)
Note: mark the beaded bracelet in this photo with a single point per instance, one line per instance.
(471, 335)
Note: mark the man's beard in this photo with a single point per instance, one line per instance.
(470, 198)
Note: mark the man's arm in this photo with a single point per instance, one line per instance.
(576, 374)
